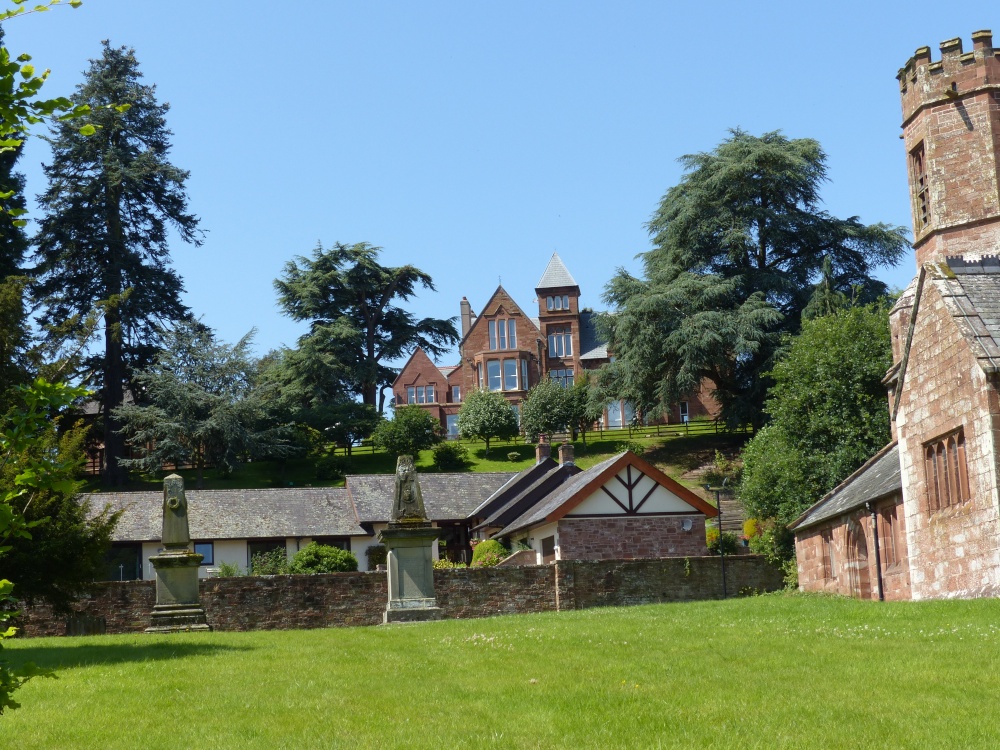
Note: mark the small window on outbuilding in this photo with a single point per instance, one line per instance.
(829, 555)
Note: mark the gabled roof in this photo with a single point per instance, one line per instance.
(236, 514)
(556, 275)
(578, 488)
(522, 492)
(878, 478)
(592, 344)
(447, 497)
(489, 310)
(971, 292)
(417, 355)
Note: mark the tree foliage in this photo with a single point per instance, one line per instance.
(547, 409)
(585, 405)
(103, 240)
(199, 403)
(410, 431)
(355, 323)
(737, 247)
(828, 413)
(487, 415)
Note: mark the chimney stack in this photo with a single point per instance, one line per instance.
(566, 454)
(466, 309)
(543, 450)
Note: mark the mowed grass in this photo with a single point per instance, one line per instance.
(767, 672)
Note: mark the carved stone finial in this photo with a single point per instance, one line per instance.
(408, 502)
(175, 516)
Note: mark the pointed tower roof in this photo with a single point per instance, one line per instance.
(556, 275)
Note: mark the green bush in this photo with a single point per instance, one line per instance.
(513, 456)
(489, 553)
(330, 468)
(321, 558)
(229, 570)
(273, 563)
(450, 456)
(631, 445)
(730, 542)
(376, 555)
(445, 564)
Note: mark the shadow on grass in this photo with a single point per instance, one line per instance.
(86, 655)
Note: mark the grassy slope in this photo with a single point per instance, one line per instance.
(674, 455)
(769, 672)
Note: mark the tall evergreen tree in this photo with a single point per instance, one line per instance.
(13, 240)
(110, 201)
(738, 245)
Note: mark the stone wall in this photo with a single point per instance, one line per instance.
(631, 537)
(344, 599)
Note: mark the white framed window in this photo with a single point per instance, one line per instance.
(456, 393)
(451, 421)
(510, 374)
(411, 395)
(493, 374)
(479, 370)
(524, 374)
(420, 394)
(503, 334)
(561, 342)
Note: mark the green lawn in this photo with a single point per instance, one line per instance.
(768, 672)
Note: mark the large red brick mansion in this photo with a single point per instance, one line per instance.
(922, 518)
(506, 349)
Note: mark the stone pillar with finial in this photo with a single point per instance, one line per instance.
(409, 541)
(178, 602)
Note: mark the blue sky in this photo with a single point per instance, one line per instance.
(474, 139)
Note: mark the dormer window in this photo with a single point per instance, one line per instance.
(557, 303)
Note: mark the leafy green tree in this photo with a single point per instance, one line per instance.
(349, 299)
(585, 407)
(199, 404)
(410, 431)
(321, 558)
(487, 415)
(828, 413)
(103, 239)
(546, 410)
(737, 247)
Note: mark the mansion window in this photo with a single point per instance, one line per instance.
(456, 393)
(829, 556)
(946, 471)
(420, 394)
(501, 375)
(561, 342)
(557, 303)
(921, 193)
(562, 377)
(503, 334)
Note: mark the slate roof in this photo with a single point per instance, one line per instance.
(553, 501)
(879, 477)
(521, 492)
(447, 497)
(592, 344)
(555, 275)
(237, 514)
(971, 293)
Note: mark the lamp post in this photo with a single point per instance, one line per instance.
(722, 551)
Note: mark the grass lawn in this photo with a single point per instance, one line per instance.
(769, 672)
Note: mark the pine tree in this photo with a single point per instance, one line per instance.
(103, 239)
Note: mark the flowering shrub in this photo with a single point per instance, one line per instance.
(488, 553)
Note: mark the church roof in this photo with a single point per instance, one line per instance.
(556, 275)
(972, 294)
(879, 477)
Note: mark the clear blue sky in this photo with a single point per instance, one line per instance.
(474, 139)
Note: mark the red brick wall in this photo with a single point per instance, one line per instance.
(630, 537)
(338, 599)
(848, 579)
(954, 552)
(950, 107)
(420, 370)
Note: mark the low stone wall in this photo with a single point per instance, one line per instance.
(344, 599)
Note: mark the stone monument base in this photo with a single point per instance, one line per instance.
(178, 606)
(178, 618)
(411, 573)
(411, 610)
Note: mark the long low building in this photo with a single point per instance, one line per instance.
(621, 508)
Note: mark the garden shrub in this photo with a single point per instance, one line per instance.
(513, 456)
(450, 456)
(273, 563)
(321, 558)
(229, 570)
(631, 445)
(730, 542)
(330, 468)
(376, 555)
(489, 553)
(446, 564)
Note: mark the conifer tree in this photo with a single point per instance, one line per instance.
(110, 201)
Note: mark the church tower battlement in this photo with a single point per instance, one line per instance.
(951, 130)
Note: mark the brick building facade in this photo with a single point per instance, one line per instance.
(929, 526)
(506, 349)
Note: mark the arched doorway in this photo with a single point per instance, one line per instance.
(857, 563)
